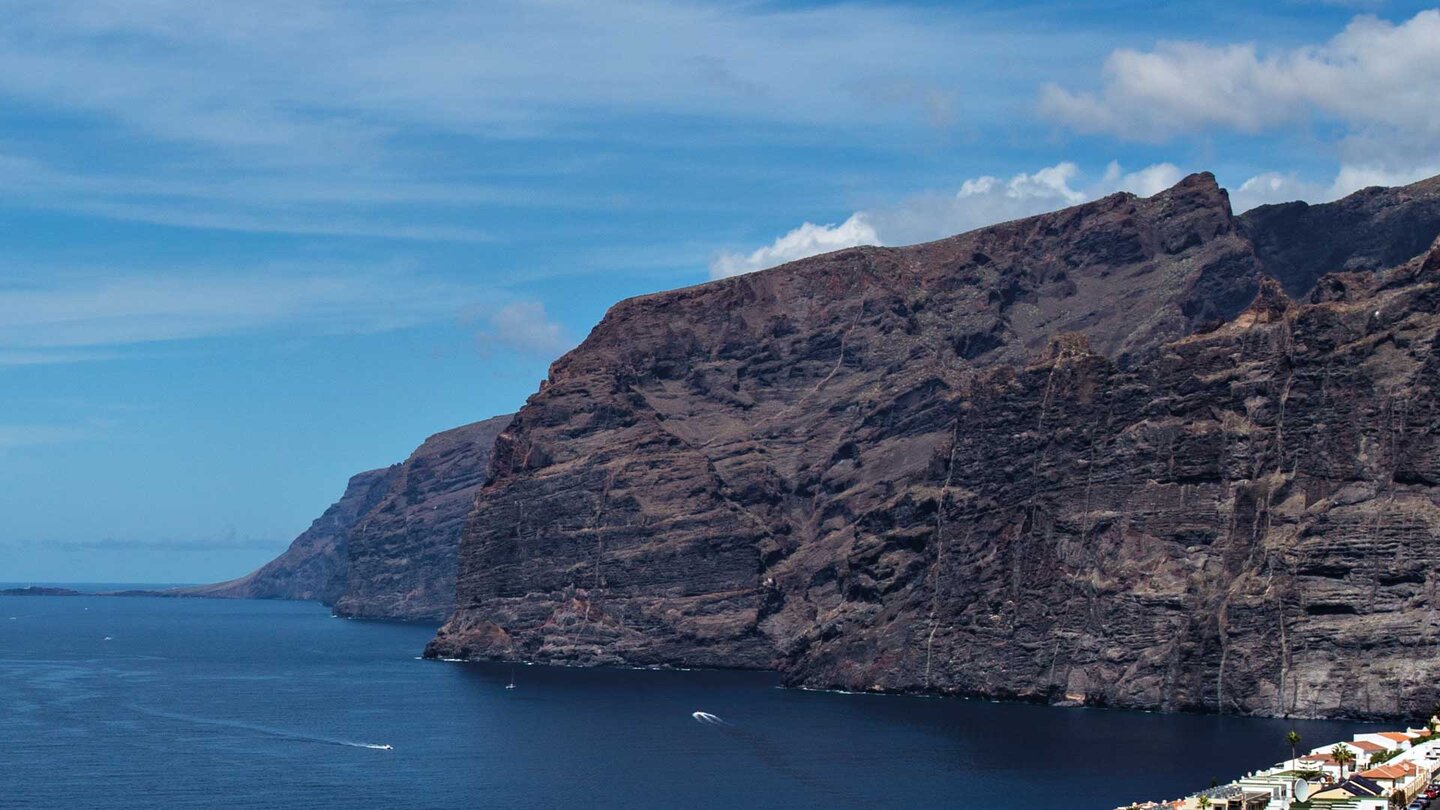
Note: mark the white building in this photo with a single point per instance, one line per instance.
(1390, 740)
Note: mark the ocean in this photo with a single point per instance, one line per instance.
(135, 702)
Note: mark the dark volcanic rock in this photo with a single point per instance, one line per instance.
(1084, 456)
(387, 548)
(1371, 229)
(402, 551)
(39, 590)
(1246, 522)
(315, 565)
(705, 442)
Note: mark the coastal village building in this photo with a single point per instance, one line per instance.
(1388, 740)
(1368, 749)
(1390, 769)
(1236, 797)
(1381, 787)
(1356, 792)
(1406, 778)
(1361, 750)
(1324, 764)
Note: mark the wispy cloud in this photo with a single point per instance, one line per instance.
(227, 543)
(307, 223)
(281, 75)
(50, 357)
(320, 203)
(12, 436)
(320, 118)
(58, 320)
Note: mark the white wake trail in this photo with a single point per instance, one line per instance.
(279, 733)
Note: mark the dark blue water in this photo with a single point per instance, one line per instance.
(221, 704)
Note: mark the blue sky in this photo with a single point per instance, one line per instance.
(251, 249)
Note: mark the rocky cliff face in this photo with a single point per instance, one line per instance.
(1093, 455)
(402, 551)
(1371, 229)
(1245, 522)
(315, 565)
(387, 549)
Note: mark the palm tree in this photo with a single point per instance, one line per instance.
(1293, 740)
(1342, 757)
(1203, 803)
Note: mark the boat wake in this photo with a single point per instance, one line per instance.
(255, 728)
(772, 755)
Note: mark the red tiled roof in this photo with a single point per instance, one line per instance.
(1366, 746)
(1394, 771)
(1386, 772)
(1397, 736)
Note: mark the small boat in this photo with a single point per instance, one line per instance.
(511, 685)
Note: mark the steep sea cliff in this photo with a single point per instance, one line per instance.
(387, 548)
(1138, 453)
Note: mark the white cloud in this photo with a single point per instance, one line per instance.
(1355, 177)
(1373, 71)
(1051, 182)
(1180, 87)
(524, 326)
(807, 240)
(1274, 187)
(1147, 182)
(1375, 79)
(980, 201)
(1277, 187)
(987, 199)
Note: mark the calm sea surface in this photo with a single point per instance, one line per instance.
(170, 703)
